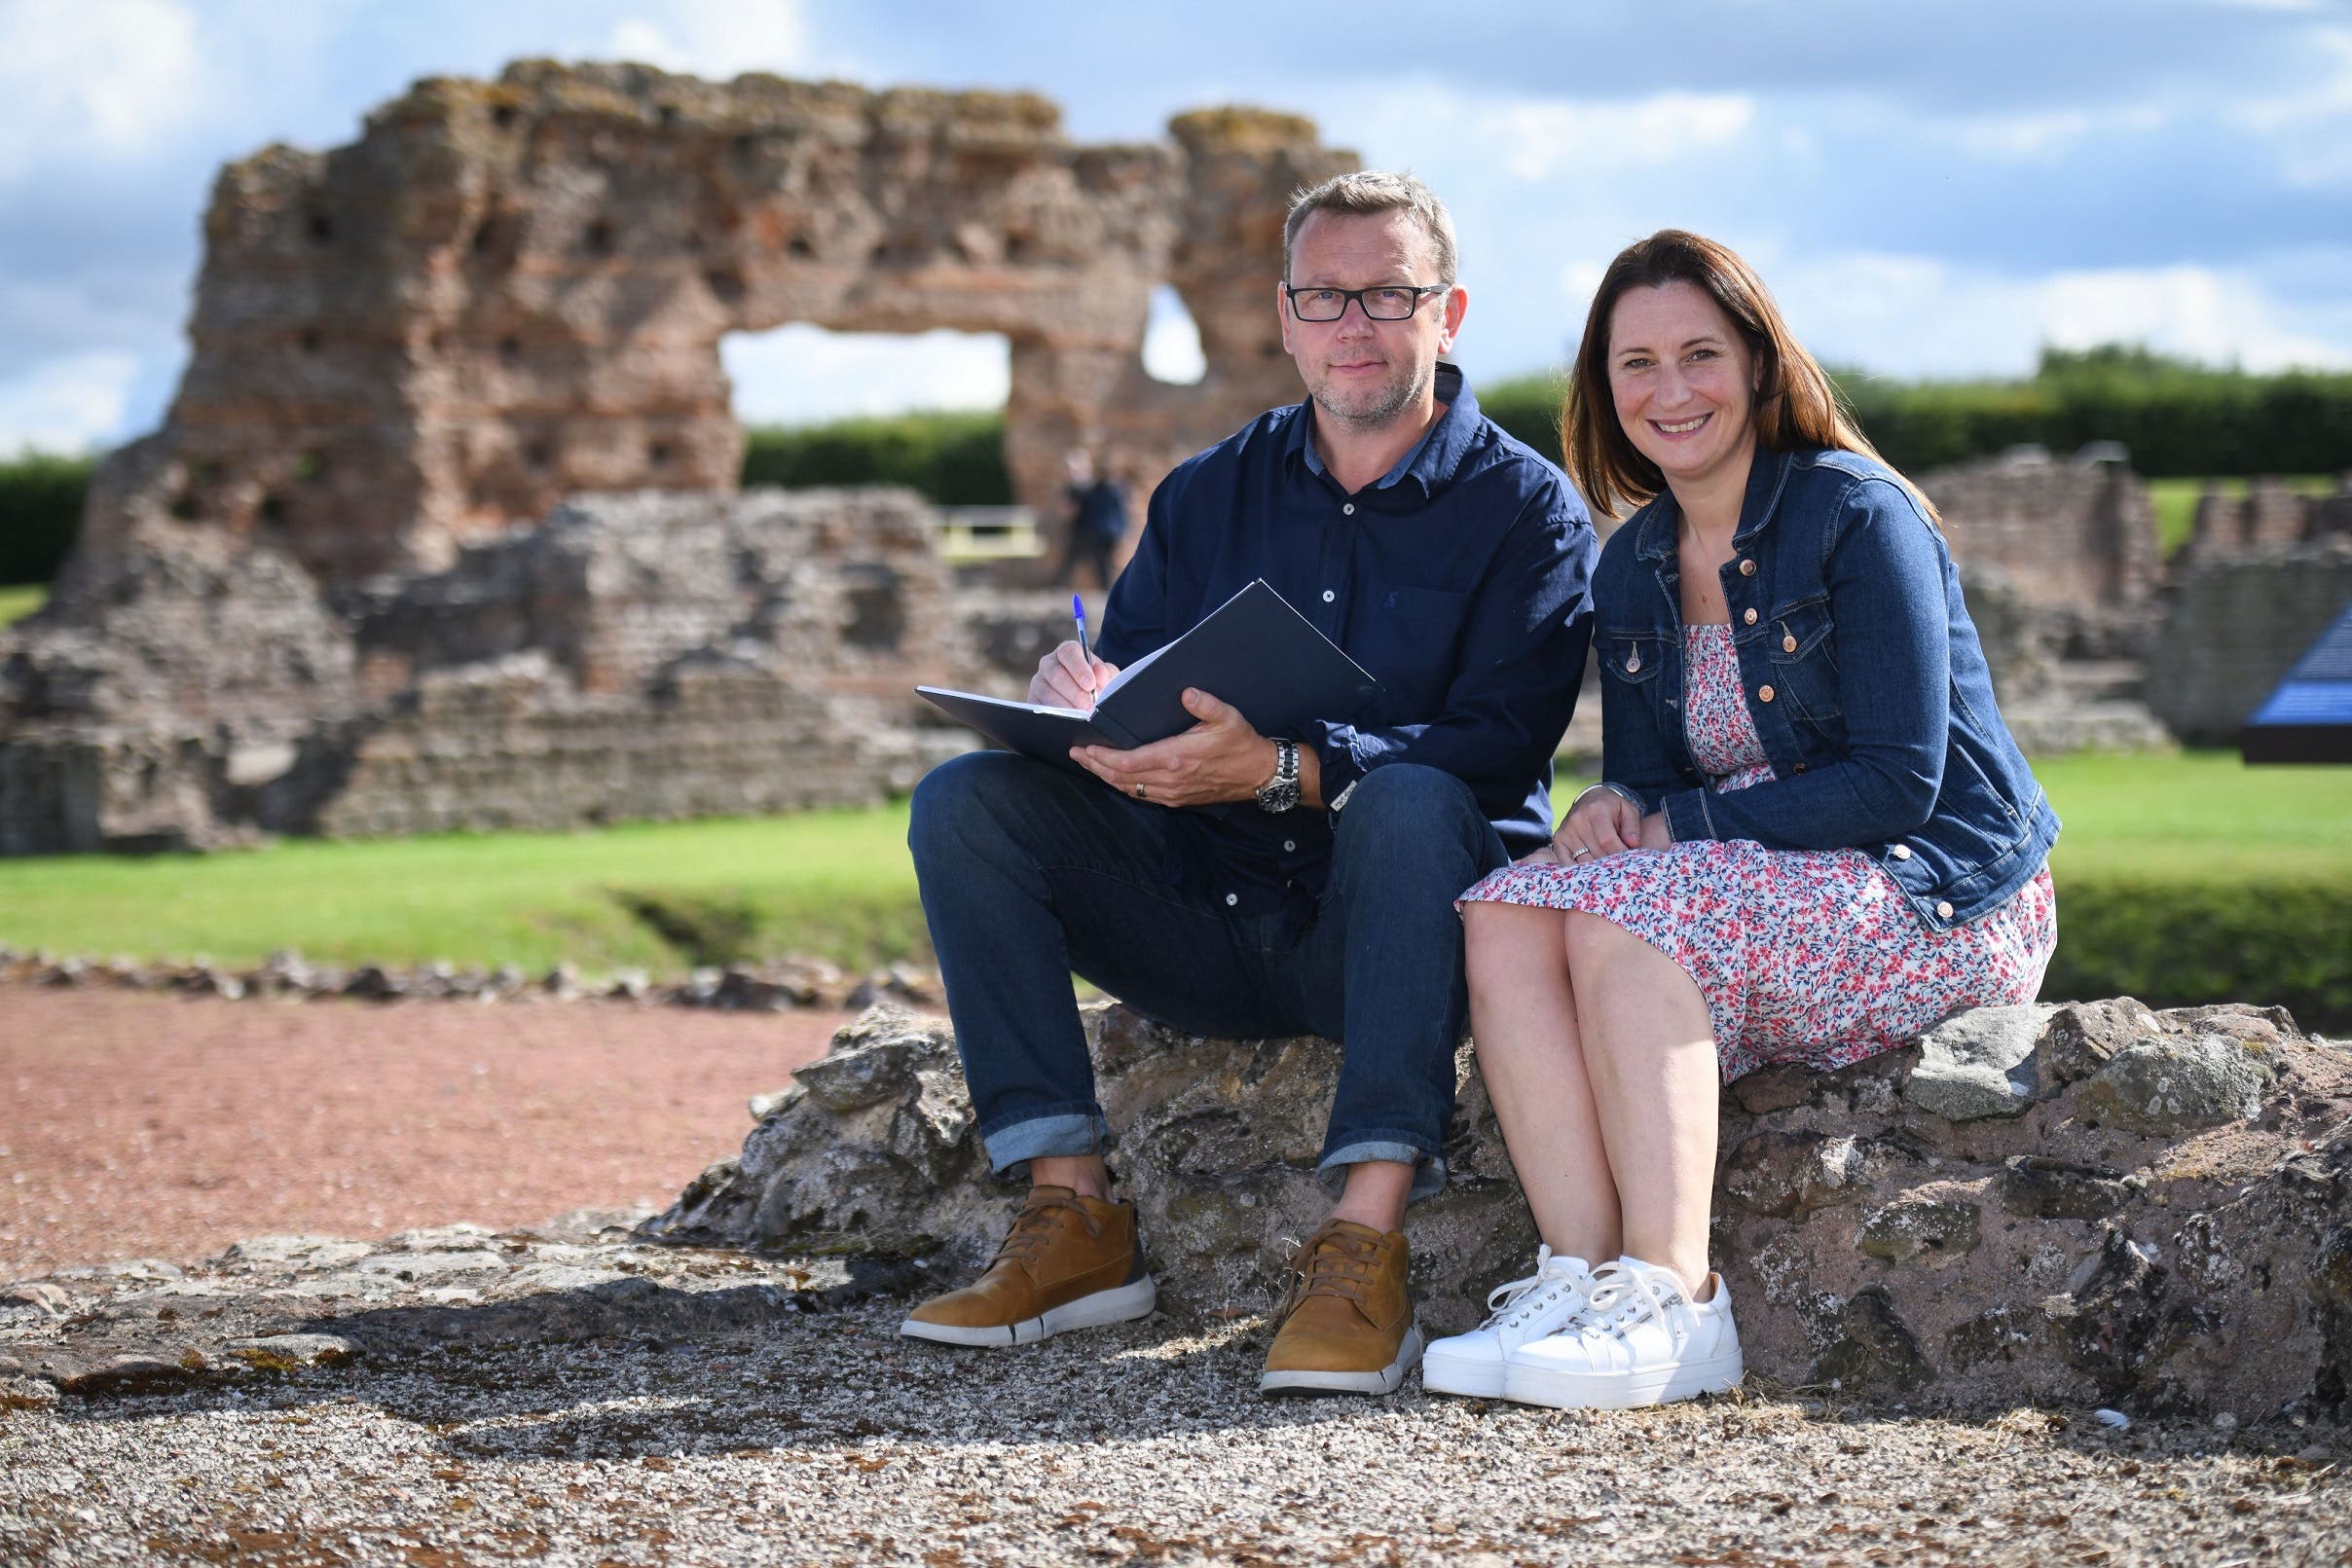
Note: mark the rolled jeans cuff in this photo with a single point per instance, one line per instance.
(1011, 1146)
(1428, 1169)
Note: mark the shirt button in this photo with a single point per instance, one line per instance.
(1232, 899)
(1348, 510)
(1328, 596)
(1290, 844)
(1943, 911)
(1763, 694)
(1901, 851)
(1800, 767)
(1789, 644)
(1747, 569)
(1750, 617)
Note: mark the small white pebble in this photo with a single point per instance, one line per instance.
(2115, 1419)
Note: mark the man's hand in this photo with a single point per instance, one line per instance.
(1219, 758)
(1066, 678)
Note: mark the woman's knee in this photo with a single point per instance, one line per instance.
(1505, 946)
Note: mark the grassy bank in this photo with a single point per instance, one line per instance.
(19, 600)
(2180, 878)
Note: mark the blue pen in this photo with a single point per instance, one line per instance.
(1078, 613)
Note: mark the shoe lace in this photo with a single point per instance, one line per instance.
(1035, 1228)
(1332, 1263)
(1623, 1297)
(1513, 1302)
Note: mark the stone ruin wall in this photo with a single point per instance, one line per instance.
(508, 293)
(633, 656)
(2070, 536)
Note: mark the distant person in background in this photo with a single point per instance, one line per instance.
(1813, 837)
(1095, 504)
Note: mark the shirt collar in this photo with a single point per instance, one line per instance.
(1430, 462)
(1765, 476)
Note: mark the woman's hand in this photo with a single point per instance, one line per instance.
(1601, 823)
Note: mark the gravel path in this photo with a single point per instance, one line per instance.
(830, 1441)
(140, 1125)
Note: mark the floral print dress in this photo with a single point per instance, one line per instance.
(1806, 956)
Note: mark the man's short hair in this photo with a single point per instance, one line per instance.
(1371, 191)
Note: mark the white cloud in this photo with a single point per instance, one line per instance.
(1537, 136)
(719, 39)
(66, 404)
(104, 79)
(1909, 316)
(799, 372)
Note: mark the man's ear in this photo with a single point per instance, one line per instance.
(1282, 316)
(1458, 305)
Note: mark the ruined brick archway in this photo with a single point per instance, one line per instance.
(505, 293)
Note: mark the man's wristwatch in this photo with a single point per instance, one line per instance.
(1282, 792)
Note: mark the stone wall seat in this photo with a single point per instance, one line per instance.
(2086, 1203)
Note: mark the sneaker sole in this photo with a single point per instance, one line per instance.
(1478, 1379)
(1116, 1306)
(1620, 1390)
(1384, 1381)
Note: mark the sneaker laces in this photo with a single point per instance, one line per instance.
(1034, 1229)
(1332, 1263)
(1623, 1297)
(1511, 1303)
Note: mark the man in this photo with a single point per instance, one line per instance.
(1096, 508)
(1240, 885)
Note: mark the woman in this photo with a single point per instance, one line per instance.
(1815, 836)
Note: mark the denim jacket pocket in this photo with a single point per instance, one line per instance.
(1633, 657)
(1804, 658)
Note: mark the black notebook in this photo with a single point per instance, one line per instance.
(1253, 651)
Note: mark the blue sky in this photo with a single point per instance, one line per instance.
(1930, 188)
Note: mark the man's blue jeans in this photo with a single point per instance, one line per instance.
(1030, 872)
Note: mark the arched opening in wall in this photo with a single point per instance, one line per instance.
(925, 410)
(1171, 340)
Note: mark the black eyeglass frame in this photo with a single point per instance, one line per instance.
(1419, 291)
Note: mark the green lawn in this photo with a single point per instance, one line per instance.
(2176, 502)
(829, 884)
(839, 885)
(21, 600)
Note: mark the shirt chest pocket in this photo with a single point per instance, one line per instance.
(1804, 657)
(1426, 610)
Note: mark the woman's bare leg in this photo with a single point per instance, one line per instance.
(1650, 1058)
(1522, 1016)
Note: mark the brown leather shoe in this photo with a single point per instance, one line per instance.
(1347, 1324)
(1068, 1262)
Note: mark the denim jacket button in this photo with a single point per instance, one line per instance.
(1763, 694)
(1750, 617)
(1789, 644)
(1943, 911)
(1800, 767)
(1901, 851)
(1747, 569)
(1633, 663)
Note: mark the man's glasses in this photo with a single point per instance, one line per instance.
(1394, 302)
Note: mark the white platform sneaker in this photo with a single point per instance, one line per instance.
(1517, 1312)
(1637, 1339)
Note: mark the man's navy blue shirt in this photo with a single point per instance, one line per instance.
(1462, 580)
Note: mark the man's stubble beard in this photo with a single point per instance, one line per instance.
(1384, 403)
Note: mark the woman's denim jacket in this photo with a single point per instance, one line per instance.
(1862, 670)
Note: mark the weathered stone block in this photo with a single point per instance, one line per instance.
(1981, 1063)
(2172, 1085)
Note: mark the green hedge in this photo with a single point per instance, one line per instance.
(2178, 419)
(39, 513)
(2175, 943)
(956, 459)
